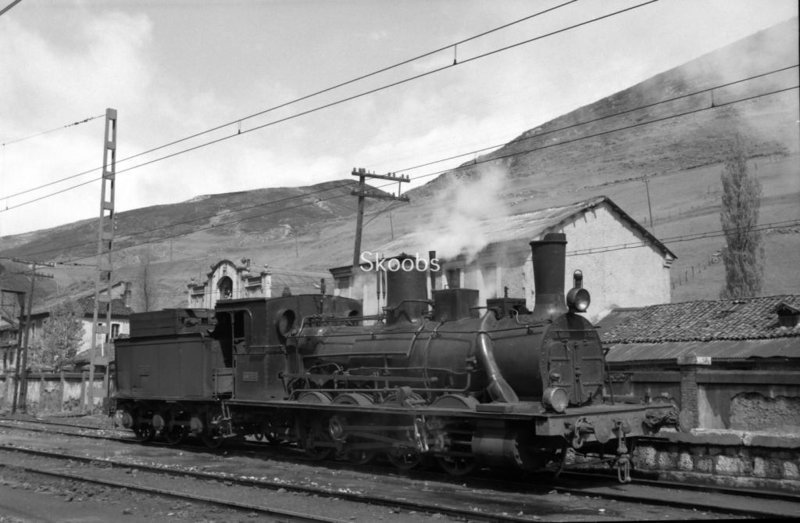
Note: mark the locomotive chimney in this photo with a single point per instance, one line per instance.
(406, 289)
(548, 257)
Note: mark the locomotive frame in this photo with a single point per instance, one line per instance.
(429, 379)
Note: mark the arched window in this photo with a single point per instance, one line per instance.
(225, 287)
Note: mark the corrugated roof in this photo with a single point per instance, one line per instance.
(748, 319)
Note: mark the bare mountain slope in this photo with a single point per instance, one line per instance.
(603, 148)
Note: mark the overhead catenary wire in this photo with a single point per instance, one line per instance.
(40, 133)
(239, 132)
(681, 238)
(716, 105)
(282, 105)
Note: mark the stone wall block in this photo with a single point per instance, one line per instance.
(647, 458)
(790, 470)
(704, 464)
(760, 467)
(685, 461)
(727, 466)
(667, 460)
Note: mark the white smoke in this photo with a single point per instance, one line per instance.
(462, 208)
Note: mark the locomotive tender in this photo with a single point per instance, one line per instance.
(446, 379)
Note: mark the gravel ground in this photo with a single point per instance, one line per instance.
(82, 502)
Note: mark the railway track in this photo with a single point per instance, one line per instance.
(724, 501)
(95, 478)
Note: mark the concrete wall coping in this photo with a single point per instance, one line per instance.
(736, 438)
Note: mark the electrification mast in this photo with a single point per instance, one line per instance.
(105, 241)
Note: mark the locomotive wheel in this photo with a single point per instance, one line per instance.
(404, 458)
(212, 440)
(456, 465)
(360, 457)
(310, 437)
(356, 456)
(310, 432)
(269, 433)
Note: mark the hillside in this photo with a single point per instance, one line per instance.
(629, 135)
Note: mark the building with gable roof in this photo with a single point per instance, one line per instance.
(228, 280)
(731, 364)
(622, 262)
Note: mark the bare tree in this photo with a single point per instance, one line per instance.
(743, 254)
(62, 333)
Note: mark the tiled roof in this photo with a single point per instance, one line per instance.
(748, 319)
(118, 307)
(526, 226)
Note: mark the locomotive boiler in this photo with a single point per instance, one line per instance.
(464, 384)
(439, 380)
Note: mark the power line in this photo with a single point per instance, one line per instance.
(477, 162)
(606, 117)
(680, 238)
(17, 140)
(305, 97)
(9, 6)
(318, 108)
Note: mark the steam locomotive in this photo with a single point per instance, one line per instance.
(441, 380)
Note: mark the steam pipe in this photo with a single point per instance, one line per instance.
(499, 389)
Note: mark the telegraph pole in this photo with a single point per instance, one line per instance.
(105, 241)
(649, 207)
(362, 193)
(21, 370)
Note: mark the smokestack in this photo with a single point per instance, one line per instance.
(548, 256)
(406, 289)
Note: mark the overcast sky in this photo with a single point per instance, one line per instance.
(175, 68)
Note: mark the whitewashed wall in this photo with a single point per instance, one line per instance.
(632, 276)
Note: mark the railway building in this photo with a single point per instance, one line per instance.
(13, 289)
(605, 243)
(730, 364)
(230, 280)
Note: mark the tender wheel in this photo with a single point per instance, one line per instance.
(144, 432)
(174, 435)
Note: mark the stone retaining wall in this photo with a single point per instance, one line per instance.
(722, 457)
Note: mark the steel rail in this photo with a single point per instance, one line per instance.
(286, 515)
(429, 508)
(786, 504)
